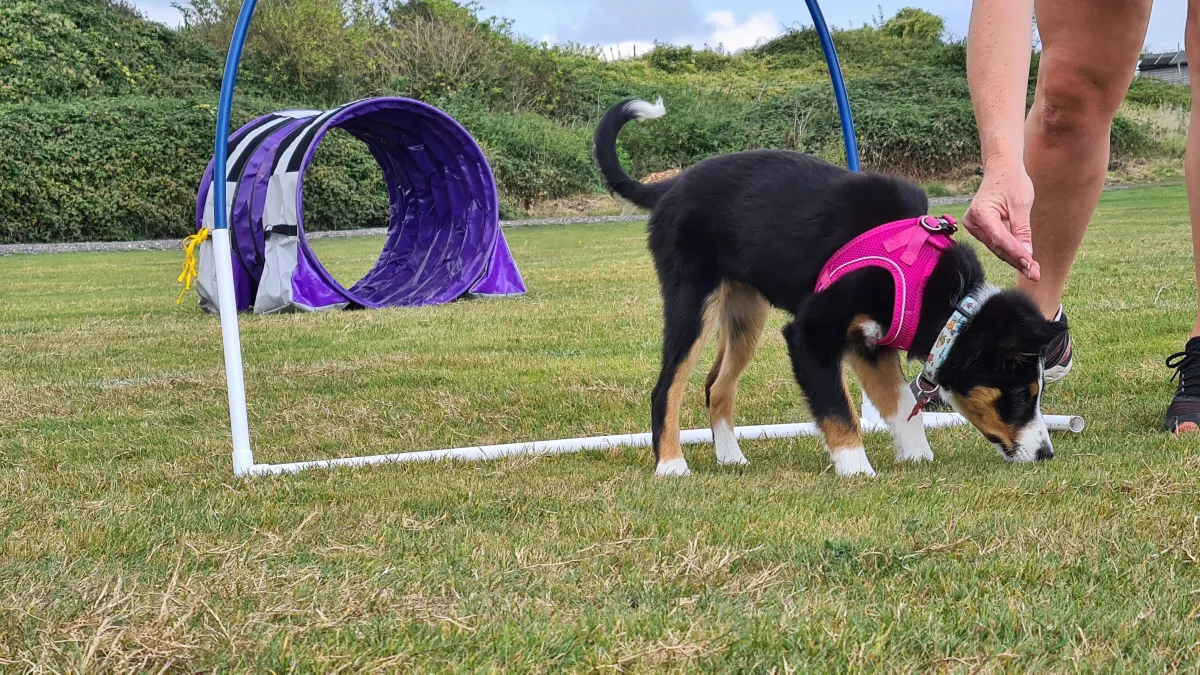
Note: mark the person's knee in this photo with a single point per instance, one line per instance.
(1078, 101)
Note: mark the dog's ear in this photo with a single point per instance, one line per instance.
(1027, 339)
(1012, 330)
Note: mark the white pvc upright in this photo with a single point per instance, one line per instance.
(231, 340)
(870, 414)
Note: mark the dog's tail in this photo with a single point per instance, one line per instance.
(645, 195)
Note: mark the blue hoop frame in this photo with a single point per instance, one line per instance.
(229, 81)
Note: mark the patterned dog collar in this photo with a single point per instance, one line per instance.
(964, 312)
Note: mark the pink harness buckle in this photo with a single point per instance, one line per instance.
(909, 250)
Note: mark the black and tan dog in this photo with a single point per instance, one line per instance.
(736, 234)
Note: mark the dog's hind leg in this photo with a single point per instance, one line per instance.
(816, 345)
(882, 379)
(740, 321)
(687, 319)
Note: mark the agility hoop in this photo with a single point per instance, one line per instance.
(243, 455)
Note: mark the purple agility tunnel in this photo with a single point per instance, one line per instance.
(443, 240)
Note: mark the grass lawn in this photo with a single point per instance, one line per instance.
(126, 542)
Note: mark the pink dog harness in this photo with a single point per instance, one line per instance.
(909, 249)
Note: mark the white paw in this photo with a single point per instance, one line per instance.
(674, 467)
(852, 462)
(922, 453)
(728, 452)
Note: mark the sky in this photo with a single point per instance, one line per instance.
(621, 25)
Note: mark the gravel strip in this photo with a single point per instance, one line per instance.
(175, 244)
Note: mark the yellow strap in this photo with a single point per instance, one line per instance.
(191, 266)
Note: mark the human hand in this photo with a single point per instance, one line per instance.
(999, 216)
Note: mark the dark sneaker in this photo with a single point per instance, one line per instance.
(1060, 358)
(1183, 416)
(1059, 355)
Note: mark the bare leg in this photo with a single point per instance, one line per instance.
(1090, 49)
(1192, 162)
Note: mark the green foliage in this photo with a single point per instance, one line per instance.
(533, 158)
(1151, 92)
(915, 24)
(697, 125)
(910, 43)
(343, 187)
(109, 121)
(317, 48)
(1130, 139)
(102, 170)
(686, 59)
(54, 49)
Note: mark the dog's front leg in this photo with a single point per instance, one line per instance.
(817, 365)
(881, 377)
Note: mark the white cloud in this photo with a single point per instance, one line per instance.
(735, 36)
(725, 31)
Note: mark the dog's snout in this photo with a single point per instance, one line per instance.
(1045, 452)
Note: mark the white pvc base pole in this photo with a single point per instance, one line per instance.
(571, 445)
(243, 458)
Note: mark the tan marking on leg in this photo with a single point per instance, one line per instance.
(839, 435)
(716, 368)
(881, 380)
(669, 448)
(979, 406)
(741, 324)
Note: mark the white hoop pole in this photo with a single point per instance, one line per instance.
(572, 445)
(231, 341)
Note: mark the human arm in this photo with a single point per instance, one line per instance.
(998, 53)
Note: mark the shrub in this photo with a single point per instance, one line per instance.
(55, 49)
(1130, 139)
(1151, 92)
(314, 47)
(533, 158)
(914, 24)
(686, 59)
(128, 169)
(343, 187)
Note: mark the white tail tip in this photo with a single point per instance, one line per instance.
(643, 111)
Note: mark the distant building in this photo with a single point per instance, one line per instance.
(1169, 67)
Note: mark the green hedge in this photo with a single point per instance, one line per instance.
(128, 169)
(533, 158)
(55, 49)
(125, 169)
